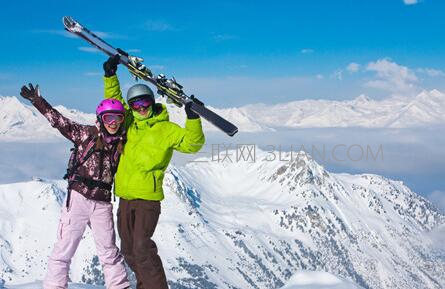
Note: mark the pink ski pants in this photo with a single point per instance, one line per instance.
(98, 216)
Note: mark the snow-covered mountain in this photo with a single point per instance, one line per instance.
(21, 121)
(427, 108)
(251, 225)
(300, 280)
(317, 280)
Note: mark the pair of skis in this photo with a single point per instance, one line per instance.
(167, 87)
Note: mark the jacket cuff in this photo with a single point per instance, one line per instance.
(110, 80)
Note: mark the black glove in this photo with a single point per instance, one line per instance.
(188, 108)
(30, 93)
(110, 66)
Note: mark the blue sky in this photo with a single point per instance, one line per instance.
(231, 53)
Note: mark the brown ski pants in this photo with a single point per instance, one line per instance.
(136, 221)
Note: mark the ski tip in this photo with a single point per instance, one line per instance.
(72, 25)
(68, 21)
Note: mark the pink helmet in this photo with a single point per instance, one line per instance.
(110, 105)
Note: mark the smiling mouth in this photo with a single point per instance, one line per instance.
(112, 126)
(143, 110)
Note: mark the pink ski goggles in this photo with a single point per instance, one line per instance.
(110, 118)
(144, 103)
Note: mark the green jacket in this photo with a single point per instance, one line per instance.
(149, 148)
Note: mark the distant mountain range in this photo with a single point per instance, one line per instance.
(20, 121)
(23, 122)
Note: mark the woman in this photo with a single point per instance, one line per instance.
(90, 173)
(151, 140)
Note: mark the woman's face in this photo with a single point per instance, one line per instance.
(112, 122)
(112, 128)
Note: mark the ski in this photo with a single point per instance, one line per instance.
(167, 87)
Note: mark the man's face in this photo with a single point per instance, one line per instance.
(142, 106)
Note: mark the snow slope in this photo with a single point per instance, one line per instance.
(38, 285)
(300, 280)
(21, 121)
(317, 280)
(251, 225)
(29, 219)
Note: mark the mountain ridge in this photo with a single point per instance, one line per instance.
(255, 224)
(21, 121)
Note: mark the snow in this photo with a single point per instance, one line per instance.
(260, 224)
(22, 122)
(362, 111)
(251, 225)
(300, 280)
(38, 285)
(317, 280)
(29, 214)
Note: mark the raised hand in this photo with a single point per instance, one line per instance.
(30, 92)
(110, 66)
(188, 110)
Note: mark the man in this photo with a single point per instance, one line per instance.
(151, 139)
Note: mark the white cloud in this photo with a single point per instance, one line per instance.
(392, 77)
(353, 67)
(101, 34)
(307, 51)
(438, 199)
(93, 73)
(319, 76)
(109, 35)
(55, 32)
(89, 49)
(134, 50)
(224, 37)
(338, 74)
(158, 26)
(431, 72)
(156, 67)
(410, 2)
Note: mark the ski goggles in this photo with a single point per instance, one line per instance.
(143, 102)
(109, 118)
